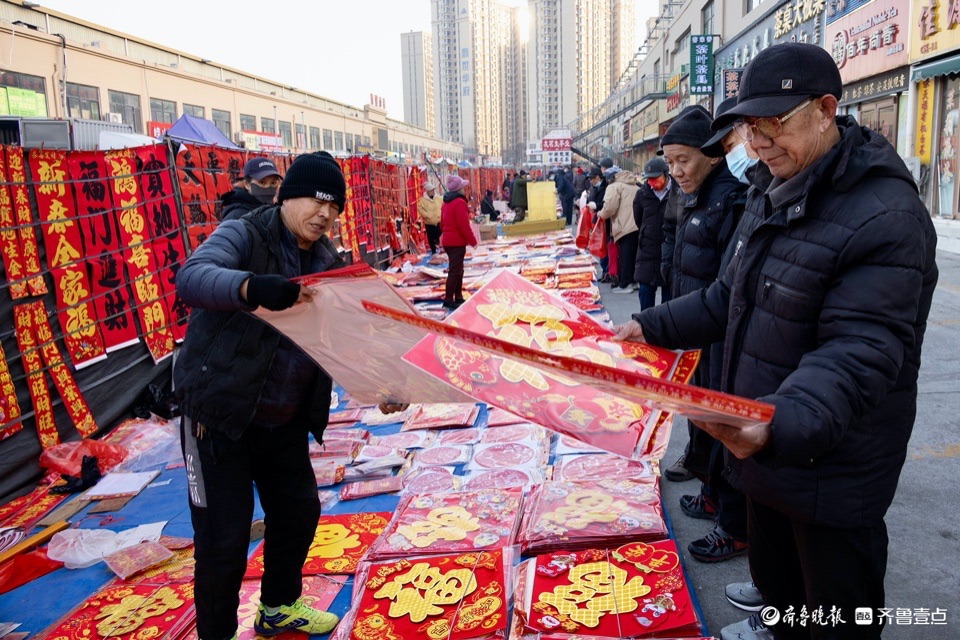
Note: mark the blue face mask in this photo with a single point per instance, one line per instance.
(738, 162)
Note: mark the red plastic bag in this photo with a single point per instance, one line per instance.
(66, 458)
(583, 228)
(598, 240)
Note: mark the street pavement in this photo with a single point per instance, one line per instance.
(923, 569)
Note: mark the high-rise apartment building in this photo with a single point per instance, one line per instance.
(418, 85)
(623, 37)
(576, 52)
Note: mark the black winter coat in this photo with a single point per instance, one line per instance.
(238, 203)
(694, 244)
(822, 310)
(648, 212)
(227, 354)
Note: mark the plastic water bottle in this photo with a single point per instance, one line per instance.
(499, 230)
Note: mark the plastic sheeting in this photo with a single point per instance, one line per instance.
(361, 352)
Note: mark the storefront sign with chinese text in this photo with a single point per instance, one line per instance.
(934, 28)
(701, 65)
(870, 40)
(895, 81)
(924, 119)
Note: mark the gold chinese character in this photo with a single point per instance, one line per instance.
(421, 591)
(602, 586)
(52, 176)
(443, 523)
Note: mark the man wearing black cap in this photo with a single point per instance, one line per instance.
(250, 397)
(257, 187)
(823, 311)
(693, 247)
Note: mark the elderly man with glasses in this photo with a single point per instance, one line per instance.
(822, 311)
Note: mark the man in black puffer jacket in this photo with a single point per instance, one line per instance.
(649, 207)
(822, 311)
(250, 397)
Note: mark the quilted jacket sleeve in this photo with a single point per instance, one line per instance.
(211, 277)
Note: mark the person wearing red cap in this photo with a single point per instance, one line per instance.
(455, 236)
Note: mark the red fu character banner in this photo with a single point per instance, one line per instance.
(141, 269)
(60, 229)
(21, 208)
(164, 226)
(103, 253)
(35, 339)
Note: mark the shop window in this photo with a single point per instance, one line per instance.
(128, 106)
(946, 156)
(221, 119)
(163, 110)
(83, 101)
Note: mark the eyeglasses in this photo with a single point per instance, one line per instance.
(768, 127)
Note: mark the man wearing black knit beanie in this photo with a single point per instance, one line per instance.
(250, 397)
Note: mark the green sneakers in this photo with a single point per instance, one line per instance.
(294, 617)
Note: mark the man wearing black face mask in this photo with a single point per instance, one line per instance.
(257, 188)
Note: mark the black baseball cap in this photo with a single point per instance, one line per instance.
(595, 172)
(259, 168)
(780, 78)
(713, 148)
(655, 167)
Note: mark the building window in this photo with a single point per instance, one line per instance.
(301, 136)
(163, 110)
(753, 4)
(338, 140)
(222, 121)
(706, 18)
(268, 125)
(327, 139)
(314, 137)
(248, 123)
(128, 106)
(83, 101)
(682, 43)
(366, 140)
(286, 134)
(349, 146)
(22, 81)
(195, 111)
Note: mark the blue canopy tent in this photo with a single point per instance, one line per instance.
(198, 131)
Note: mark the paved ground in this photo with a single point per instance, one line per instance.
(924, 520)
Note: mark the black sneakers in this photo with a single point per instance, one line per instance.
(717, 546)
(698, 506)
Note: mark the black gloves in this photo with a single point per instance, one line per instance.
(272, 291)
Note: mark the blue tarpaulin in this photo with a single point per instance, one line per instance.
(198, 131)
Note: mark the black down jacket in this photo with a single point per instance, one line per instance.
(228, 355)
(823, 309)
(237, 203)
(648, 212)
(693, 245)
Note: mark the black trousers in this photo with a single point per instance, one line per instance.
(566, 205)
(627, 257)
(221, 474)
(796, 565)
(433, 236)
(454, 288)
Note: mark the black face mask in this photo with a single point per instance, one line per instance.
(263, 194)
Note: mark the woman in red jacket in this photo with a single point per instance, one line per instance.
(455, 235)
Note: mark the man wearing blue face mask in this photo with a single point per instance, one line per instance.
(726, 143)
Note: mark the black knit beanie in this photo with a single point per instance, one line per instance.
(691, 128)
(314, 175)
